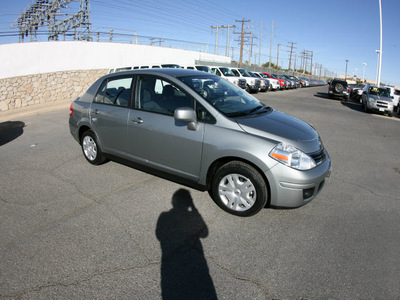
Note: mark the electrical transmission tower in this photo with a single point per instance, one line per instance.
(47, 13)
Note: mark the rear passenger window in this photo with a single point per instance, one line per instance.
(115, 91)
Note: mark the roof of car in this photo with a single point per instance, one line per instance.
(175, 72)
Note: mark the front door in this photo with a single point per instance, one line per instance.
(155, 136)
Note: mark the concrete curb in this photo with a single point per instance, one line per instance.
(37, 109)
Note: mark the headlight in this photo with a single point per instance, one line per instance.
(292, 157)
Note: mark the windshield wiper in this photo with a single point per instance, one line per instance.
(238, 114)
(246, 113)
(255, 109)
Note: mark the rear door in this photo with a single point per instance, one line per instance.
(109, 113)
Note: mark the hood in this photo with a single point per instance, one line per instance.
(380, 98)
(282, 127)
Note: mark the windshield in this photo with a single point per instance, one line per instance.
(227, 72)
(244, 73)
(227, 98)
(373, 90)
(253, 74)
(204, 69)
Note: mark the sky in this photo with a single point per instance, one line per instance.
(335, 31)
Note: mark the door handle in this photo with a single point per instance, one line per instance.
(137, 120)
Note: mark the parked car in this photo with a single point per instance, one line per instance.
(293, 82)
(395, 95)
(282, 82)
(264, 85)
(339, 88)
(356, 91)
(275, 85)
(305, 82)
(244, 153)
(377, 99)
(227, 74)
(297, 79)
(200, 68)
(253, 84)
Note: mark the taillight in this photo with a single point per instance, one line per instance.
(71, 110)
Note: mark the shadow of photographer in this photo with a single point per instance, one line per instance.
(184, 269)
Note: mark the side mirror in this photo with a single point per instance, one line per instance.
(188, 115)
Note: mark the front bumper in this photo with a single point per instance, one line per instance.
(294, 188)
(381, 106)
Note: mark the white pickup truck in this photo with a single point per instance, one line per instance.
(253, 84)
(226, 73)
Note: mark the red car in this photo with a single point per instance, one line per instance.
(281, 81)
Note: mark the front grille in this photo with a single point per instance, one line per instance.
(257, 83)
(242, 83)
(382, 104)
(319, 156)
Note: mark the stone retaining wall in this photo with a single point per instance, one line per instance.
(29, 90)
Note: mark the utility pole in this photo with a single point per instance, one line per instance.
(252, 37)
(158, 40)
(216, 38)
(259, 49)
(270, 46)
(227, 39)
(242, 37)
(291, 52)
(277, 58)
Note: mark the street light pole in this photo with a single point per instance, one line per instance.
(345, 74)
(364, 64)
(380, 44)
(377, 66)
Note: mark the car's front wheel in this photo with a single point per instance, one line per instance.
(239, 189)
(91, 149)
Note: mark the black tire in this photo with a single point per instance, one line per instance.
(364, 105)
(339, 88)
(91, 148)
(239, 189)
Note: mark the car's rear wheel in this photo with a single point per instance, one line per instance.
(91, 149)
(239, 189)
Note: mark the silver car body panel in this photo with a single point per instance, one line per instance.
(161, 142)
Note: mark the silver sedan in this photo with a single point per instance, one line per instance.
(201, 130)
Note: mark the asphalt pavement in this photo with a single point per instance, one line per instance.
(70, 230)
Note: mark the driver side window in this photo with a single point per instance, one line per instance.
(157, 95)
